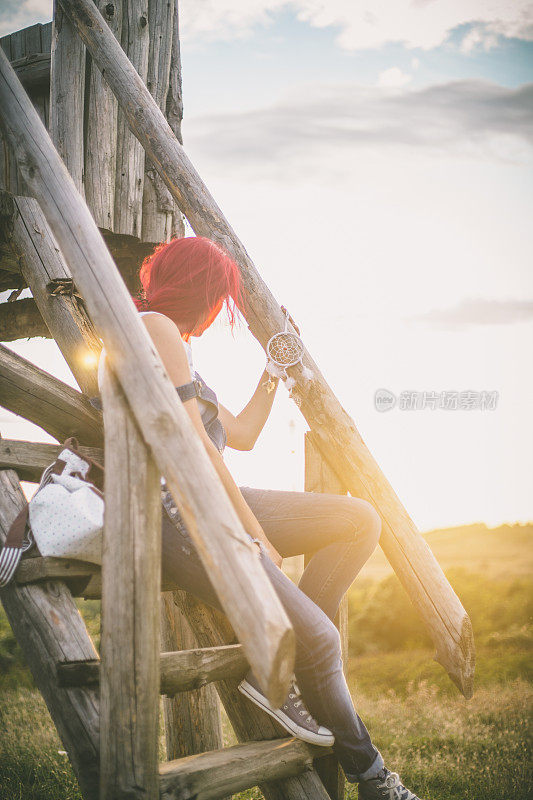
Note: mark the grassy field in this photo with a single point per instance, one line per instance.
(444, 747)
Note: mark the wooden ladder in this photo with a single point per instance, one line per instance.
(41, 608)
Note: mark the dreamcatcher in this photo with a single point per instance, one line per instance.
(285, 349)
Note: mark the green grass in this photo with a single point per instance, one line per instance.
(444, 747)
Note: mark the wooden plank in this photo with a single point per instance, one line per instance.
(46, 401)
(101, 139)
(21, 319)
(33, 70)
(333, 429)
(131, 583)
(232, 769)
(83, 579)
(192, 720)
(130, 153)
(50, 630)
(212, 628)
(181, 671)
(158, 203)
(42, 263)
(67, 88)
(232, 561)
(319, 477)
(29, 459)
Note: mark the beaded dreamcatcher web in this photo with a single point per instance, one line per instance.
(285, 349)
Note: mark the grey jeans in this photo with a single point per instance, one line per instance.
(341, 532)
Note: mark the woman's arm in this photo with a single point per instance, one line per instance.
(169, 344)
(243, 429)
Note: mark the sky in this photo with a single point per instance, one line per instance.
(376, 161)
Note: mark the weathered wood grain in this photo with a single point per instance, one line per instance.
(335, 433)
(181, 671)
(192, 720)
(158, 203)
(29, 459)
(131, 581)
(233, 769)
(20, 320)
(42, 263)
(46, 401)
(231, 559)
(50, 630)
(130, 153)
(67, 92)
(101, 137)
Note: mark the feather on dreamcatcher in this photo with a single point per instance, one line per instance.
(285, 349)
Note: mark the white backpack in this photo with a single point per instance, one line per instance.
(65, 516)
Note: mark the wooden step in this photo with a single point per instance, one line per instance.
(181, 671)
(82, 578)
(219, 773)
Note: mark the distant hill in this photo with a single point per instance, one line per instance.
(505, 551)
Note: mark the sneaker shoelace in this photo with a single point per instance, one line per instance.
(395, 789)
(299, 702)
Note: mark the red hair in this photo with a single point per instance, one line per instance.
(190, 279)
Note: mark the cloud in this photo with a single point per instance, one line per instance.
(324, 124)
(478, 311)
(17, 15)
(361, 25)
(393, 77)
(368, 24)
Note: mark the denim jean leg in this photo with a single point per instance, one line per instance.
(320, 676)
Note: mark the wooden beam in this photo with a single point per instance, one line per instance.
(67, 89)
(158, 203)
(181, 671)
(29, 459)
(46, 401)
(50, 630)
(21, 319)
(193, 723)
(33, 70)
(131, 582)
(130, 154)
(83, 579)
(231, 559)
(232, 769)
(45, 271)
(101, 138)
(334, 431)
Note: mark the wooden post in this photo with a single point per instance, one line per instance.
(319, 477)
(130, 153)
(50, 631)
(131, 583)
(101, 140)
(67, 92)
(232, 561)
(42, 264)
(158, 203)
(192, 720)
(334, 432)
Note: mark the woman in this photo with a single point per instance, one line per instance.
(185, 284)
